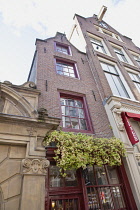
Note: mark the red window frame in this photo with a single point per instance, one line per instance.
(65, 68)
(85, 111)
(65, 49)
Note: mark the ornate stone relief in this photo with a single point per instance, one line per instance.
(117, 111)
(35, 166)
(137, 155)
(31, 131)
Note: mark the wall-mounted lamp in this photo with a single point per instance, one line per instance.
(53, 204)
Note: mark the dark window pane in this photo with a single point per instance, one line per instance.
(73, 112)
(112, 69)
(105, 67)
(100, 175)
(55, 177)
(71, 178)
(70, 102)
(62, 49)
(114, 80)
(89, 176)
(79, 104)
(81, 113)
(83, 124)
(59, 68)
(112, 175)
(75, 123)
(66, 69)
(112, 84)
(120, 87)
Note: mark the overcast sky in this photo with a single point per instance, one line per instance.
(22, 21)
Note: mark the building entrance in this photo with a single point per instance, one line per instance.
(95, 188)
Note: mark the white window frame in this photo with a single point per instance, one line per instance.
(107, 32)
(91, 36)
(123, 53)
(137, 74)
(131, 96)
(137, 55)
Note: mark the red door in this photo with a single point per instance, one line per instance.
(66, 202)
(64, 193)
(95, 188)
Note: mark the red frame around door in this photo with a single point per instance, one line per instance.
(79, 192)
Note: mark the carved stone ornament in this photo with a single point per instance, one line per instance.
(42, 113)
(31, 131)
(137, 155)
(35, 166)
(117, 111)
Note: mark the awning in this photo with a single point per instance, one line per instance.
(132, 115)
(130, 131)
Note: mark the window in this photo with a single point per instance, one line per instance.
(120, 54)
(97, 45)
(114, 80)
(116, 36)
(136, 79)
(103, 24)
(73, 113)
(104, 190)
(57, 180)
(66, 69)
(137, 59)
(107, 33)
(62, 48)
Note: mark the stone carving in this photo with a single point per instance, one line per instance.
(42, 113)
(31, 131)
(35, 166)
(117, 110)
(137, 155)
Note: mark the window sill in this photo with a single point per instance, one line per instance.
(68, 76)
(77, 130)
(129, 99)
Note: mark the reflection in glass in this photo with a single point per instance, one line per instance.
(103, 188)
(64, 204)
(100, 175)
(56, 180)
(73, 115)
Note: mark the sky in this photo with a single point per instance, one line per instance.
(22, 21)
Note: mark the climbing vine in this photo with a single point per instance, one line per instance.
(74, 151)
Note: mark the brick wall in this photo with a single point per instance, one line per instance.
(84, 86)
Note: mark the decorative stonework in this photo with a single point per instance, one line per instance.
(31, 131)
(35, 166)
(137, 155)
(117, 110)
(42, 113)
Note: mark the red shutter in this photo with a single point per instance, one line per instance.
(130, 131)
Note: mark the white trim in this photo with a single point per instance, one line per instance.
(121, 77)
(101, 40)
(123, 51)
(101, 30)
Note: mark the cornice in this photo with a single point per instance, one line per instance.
(34, 122)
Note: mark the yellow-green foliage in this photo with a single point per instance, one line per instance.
(74, 151)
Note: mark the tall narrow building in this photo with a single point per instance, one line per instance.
(88, 83)
(92, 83)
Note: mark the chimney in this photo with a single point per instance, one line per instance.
(101, 13)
